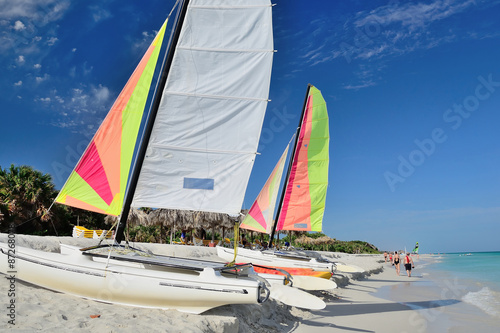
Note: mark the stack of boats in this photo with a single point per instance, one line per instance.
(195, 152)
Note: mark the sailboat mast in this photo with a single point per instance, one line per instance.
(149, 125)
(290, 163)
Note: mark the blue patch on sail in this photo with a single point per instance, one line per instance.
(300, 225)
(199, 183)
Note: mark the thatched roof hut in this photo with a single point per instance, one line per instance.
(323, 240)
(135, 217)
(305, 240)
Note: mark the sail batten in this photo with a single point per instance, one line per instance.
(173, 93)
(204, 150)
(226, 50)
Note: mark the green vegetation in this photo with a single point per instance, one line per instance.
(26, 195)
(321, 242)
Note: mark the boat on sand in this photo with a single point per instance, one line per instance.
(214, 79)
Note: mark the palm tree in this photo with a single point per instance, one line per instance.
(25, 194)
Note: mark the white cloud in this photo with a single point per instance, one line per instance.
(40, 79)
(101, 94)
(99, 13)
(18, 26)
(87, 70)
(41, 11)
(18, 83)
(37, 66)
(20, 60)
(360, 86)
(368, 53)
(80, 109)
(413, 15)
(27, 20)
(395, 29)
(51, 41)
(73, 50)
(64, 124)
(312, 54)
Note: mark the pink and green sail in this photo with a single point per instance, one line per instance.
(99, 180)
(260, 215)
(304, 201)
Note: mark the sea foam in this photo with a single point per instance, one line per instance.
(485, 299)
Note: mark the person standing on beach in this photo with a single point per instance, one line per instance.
(396, 262)
(385, 256)
(409, 264)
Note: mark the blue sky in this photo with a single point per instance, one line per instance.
(413, 92)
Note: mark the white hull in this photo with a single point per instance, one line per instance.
(269, 258)
(132, 284)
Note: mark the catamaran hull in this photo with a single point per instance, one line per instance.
(292, 271)
(130, 284)
(271, 259)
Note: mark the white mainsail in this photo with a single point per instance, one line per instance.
(205, 137)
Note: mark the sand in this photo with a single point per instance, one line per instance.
(352, 307)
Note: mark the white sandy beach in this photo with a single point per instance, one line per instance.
(352, 307)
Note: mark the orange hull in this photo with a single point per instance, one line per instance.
(293, 271)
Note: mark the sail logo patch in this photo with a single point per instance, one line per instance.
(198, 183)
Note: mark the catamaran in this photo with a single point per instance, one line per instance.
(196, 153)
(302, 202)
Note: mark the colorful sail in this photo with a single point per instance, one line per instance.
(304, 201)
(206, 132)
(99, 180)
(260, 215)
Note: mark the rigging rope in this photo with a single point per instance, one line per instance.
(236, 243)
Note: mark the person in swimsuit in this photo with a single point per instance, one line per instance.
(385, 256)
(408, 264)
(396, 262)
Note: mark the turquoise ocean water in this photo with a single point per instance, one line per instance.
(477, 274)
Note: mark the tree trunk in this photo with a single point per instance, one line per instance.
(161, 233)
(172, 231)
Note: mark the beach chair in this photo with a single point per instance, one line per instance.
(82, 232)
(179, 243)
(99, 234)
(210, 244)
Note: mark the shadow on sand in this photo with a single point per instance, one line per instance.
(355, 309)
(337, 310)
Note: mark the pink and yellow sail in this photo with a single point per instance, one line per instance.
(260, 215)
(303, 204)
(99, 180)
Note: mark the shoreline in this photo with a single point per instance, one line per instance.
(374, 301)
(358, 309)
(441, 299)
